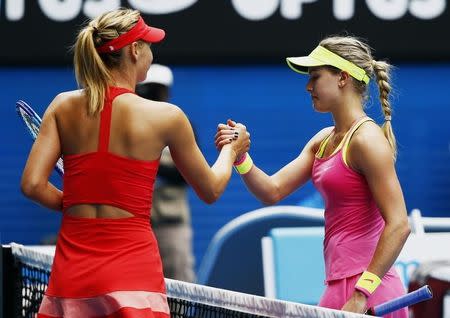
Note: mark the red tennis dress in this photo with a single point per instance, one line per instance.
(109, 268)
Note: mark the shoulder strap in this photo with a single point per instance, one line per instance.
(105, 116)
(323, 145)
(349, 136)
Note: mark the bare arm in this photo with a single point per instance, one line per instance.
(374, 159)
(42, 159)
(208, 182)
(371, 154)
(272, 189)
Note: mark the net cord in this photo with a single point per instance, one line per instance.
(42, 257)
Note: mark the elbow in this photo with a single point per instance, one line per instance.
(402, 229)
(406, 230)
(271, 200)
(27, 189)
(210, 198)
(30, 188)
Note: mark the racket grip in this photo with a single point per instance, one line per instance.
(409, 299)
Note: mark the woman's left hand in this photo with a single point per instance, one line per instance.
(357, 303)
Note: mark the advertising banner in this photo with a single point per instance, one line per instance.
(232, 31)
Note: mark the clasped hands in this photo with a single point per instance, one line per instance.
(233, 134)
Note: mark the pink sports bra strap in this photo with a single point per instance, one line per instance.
(323, 144)
(105, 116)
(350, 134)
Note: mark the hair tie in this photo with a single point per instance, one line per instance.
(387, 118)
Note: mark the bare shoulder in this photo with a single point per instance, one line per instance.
(69, 96)
(369, 146)
(162, 114)
(323, 133)
(66, 100)
(315, 141)
(151, 106)
(369, 136)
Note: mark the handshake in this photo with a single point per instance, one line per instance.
(234, 135)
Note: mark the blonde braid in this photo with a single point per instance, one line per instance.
(382, 73)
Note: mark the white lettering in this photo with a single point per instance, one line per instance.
(427, 10)
(61, 10)
(14, 9)
(93, 8)
(292, 9)
(388, 9)
(255, 10)
(161, 6)
(343, 9)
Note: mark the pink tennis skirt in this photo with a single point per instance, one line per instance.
(339, 291)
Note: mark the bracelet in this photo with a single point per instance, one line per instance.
(368, 283)
(240, 160)
(243, 164)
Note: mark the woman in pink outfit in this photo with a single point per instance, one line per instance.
(352, 165)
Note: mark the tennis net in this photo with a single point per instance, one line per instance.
(26, 271)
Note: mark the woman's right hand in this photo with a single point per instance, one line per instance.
(234, 134)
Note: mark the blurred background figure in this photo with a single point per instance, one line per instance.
(170, 216)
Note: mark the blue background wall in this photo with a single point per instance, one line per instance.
(272, 102)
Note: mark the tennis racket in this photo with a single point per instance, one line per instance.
(32, 122)
(421, 294)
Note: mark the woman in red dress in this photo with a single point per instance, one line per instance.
(107, 262)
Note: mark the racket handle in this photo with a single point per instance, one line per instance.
(421, 294)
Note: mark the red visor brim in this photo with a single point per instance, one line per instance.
(153, 35)
(141, 31)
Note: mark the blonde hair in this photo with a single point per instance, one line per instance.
(359, 53)
(92, 70)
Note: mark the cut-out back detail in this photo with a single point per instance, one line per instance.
(97, 211)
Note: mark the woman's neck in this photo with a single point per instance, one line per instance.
(344, 117)
(123, 79)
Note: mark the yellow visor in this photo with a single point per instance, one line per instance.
(320, 56)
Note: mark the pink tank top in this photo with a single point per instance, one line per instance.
(353, 223)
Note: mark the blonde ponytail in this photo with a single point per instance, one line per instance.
(92, 70)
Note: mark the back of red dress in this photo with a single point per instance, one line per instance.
(107, 267)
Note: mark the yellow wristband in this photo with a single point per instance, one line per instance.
(368, 283)
(245, 165)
